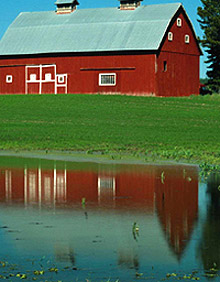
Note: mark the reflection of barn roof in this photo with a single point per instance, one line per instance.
(89, 30)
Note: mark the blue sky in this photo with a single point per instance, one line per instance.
(11, 8)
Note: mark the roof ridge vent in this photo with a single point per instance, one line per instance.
(129, 4)
(66, 6)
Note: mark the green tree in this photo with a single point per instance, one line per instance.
(209, 19)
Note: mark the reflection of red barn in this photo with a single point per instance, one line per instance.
(11, 184)
(134, 49)
(45, 186)
(124, 188)
(137, 187)
(177, 206)
(82, 185)
(174, 193)
(32, 186)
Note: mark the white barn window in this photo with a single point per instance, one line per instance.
(179, 22)
(9, 78)
(187, 39)
(107, 79)
(170, 36)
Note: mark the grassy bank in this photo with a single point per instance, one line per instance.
(164, 128)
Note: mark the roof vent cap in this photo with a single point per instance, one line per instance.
(66, 6)
(129, 4)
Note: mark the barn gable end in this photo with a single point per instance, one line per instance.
(178, 57)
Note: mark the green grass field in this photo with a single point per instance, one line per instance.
(165, 128)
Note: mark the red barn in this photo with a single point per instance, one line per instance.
(133, 49)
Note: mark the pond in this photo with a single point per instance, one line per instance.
(69, 221)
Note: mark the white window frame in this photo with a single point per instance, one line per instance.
(61, 81)
(179, 22)
(9, 78)
(170, 36)
(187, 39)
(48, 76)
(33, 77)
(107, 84)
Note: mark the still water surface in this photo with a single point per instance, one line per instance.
(63, 221)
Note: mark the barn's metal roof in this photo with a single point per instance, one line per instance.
(88, 30)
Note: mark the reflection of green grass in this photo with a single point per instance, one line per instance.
(167, 128)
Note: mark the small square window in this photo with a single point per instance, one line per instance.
(61, 78)
(9, 78)
(170, 36)
(33, 77)
(179, 22)
(187, 38)
(107, 79)
(48, 77)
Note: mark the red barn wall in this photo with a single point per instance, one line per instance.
(18, 83)
(135, 73)
(182, 75)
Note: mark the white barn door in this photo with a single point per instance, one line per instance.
(43, 79)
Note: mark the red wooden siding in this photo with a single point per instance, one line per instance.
(178, 44)
(181, 78)
(135, 74)
(18, 79)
